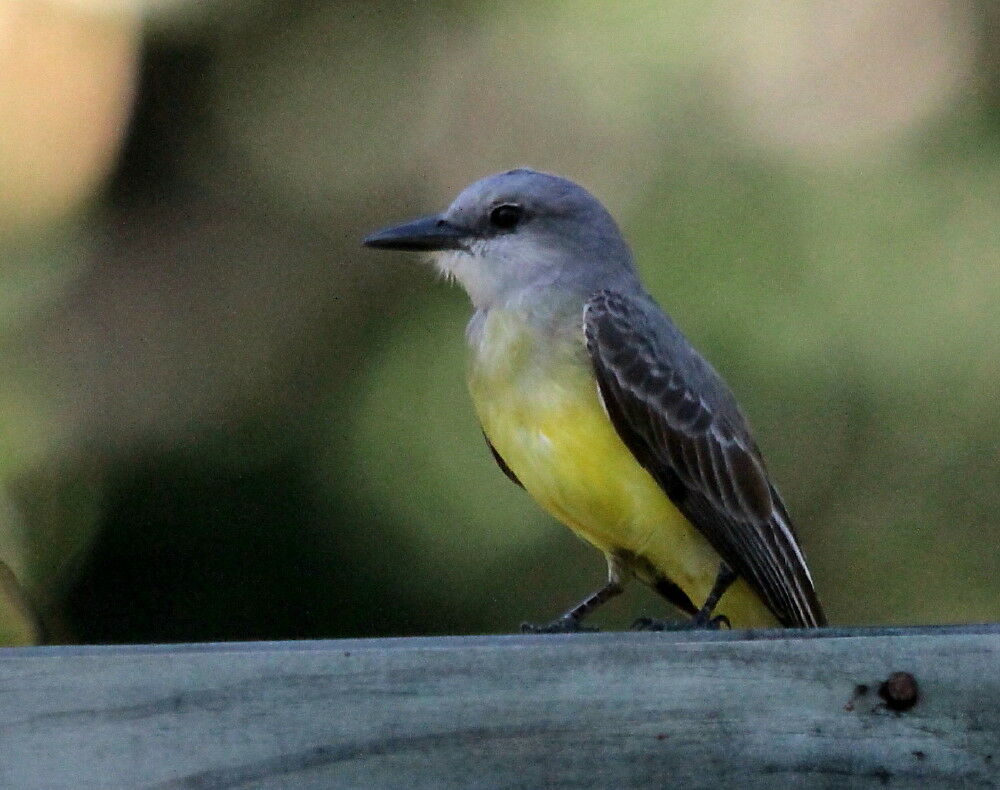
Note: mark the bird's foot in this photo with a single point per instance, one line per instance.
(561, 625)
(699, 621)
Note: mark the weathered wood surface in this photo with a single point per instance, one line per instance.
(594, 710)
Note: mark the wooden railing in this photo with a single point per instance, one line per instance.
(897, 707)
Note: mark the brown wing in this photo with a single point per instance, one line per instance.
(681, 422)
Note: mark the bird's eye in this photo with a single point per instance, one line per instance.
(506, 216)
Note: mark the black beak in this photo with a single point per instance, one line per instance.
(421, 235)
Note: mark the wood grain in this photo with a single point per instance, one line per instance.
(762, 709)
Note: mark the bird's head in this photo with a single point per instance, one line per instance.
(514, 231)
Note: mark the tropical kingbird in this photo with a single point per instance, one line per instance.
(593, 401)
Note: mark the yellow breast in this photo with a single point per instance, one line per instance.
(538, 403)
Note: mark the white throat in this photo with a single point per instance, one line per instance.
(490, 280)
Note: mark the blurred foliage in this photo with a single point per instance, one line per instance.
(223, 419)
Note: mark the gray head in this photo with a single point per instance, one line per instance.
(515, 231)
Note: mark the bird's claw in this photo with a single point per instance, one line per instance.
(563, 625)
(696, 622)
(650, 624)
(716, 623)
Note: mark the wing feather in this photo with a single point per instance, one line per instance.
(683, 425)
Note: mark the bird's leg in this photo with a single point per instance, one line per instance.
(571, 621)
(703, 617)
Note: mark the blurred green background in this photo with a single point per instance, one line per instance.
(221, 418)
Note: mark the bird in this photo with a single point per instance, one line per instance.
(592, 400)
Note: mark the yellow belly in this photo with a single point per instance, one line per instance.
(538, 404)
